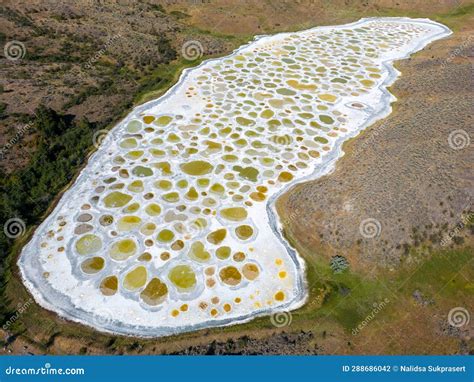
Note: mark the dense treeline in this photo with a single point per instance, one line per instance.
(61, 148)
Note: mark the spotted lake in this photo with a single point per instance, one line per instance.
(171, 227)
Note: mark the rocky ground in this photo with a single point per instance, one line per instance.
(281, 343)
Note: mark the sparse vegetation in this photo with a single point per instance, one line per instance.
(339, 264)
